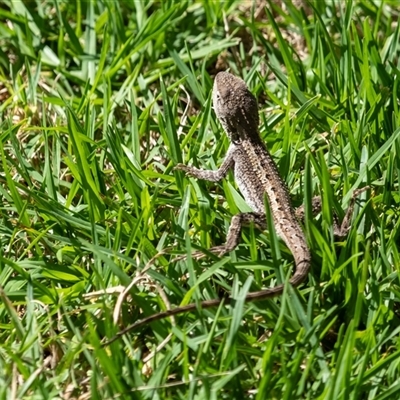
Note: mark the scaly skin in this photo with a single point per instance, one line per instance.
(256, 175)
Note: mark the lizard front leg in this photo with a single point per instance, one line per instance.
(208, 175)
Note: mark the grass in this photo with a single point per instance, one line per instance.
(99, 101)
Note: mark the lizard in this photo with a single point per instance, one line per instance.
(257, 176)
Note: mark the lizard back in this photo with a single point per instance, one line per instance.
(255, 171)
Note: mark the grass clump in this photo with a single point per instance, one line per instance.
(99, 100)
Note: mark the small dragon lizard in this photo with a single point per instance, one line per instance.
(256, 175)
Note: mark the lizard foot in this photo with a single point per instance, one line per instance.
(198, 254)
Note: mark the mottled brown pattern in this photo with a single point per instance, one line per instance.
(257, 176)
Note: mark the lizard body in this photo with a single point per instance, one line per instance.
(257, 176)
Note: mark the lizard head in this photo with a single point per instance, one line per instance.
(235, 106)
